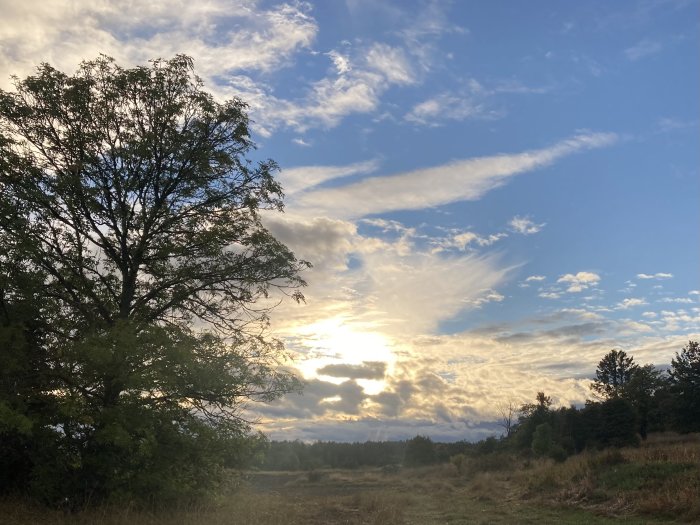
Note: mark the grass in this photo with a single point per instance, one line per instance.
(658, 482)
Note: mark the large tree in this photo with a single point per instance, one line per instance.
(129, 195)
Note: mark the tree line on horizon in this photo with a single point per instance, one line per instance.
(631, 401)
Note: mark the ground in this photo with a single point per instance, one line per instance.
(658, 482)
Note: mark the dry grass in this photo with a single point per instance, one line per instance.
(661, 478)
(654, 483)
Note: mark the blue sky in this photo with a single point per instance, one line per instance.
(493, 194)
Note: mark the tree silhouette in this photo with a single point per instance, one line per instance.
(613, 374)
(128, 193)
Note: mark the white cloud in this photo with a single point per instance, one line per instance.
(657, 276)
(446, 106)
(488, 296)
(630, 302)
(550, 295)
(525, 226)
(463, 240)
(230, 42)
(360, 79)
(642, 49)
(682, 300)
(535, 278)
(629, 327)
(580, 281)
(393, 284)
(391, 63)
(300, 178)
(341, 62)
(63, 33)
(460, 180)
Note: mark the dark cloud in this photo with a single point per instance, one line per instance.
(318, 398)
(572, 332)
(367, 370)
(379, 429)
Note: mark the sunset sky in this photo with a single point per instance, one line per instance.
(493, 194)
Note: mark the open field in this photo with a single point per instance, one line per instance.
(658, 482)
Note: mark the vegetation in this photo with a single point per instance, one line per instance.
(134, 278)
(657, 482)
(133, 264)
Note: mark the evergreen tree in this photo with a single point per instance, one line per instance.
(684, 377)
(613, 374)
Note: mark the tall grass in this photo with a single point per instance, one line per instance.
(659, 479)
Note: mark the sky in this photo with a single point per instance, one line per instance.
(493, 195)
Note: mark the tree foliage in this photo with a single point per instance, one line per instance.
(134, 278)
(613, 374)
(419, 451)
(684, 376)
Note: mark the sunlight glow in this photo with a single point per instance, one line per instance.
(336, 341)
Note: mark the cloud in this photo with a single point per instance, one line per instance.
(301, 178)
(489, 296)
(464, 240)
(668, 124)
(434, 111)
(461, 180)
(367, 370)
(580, 281)
(630, 303)
(643, 49)
(361, 76)
(682, 300)
(232, 43)
(531, 279)
(525, 226)
(657, 276)
(380, 277)
(341, 62)
(391, 62)
(472, 101)
(63, 33)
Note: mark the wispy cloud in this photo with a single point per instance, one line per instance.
(446, 106)
(472, 101)
(461, 180)
(464, 240)
(657, 276)
(535, 278)
(63, 33)
(525, 226)
(630, 302)
(300, 178)
(643, 49)
(680, 300)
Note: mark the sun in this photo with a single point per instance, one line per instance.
(339, 341)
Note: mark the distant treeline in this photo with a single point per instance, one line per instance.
(296, 455)
(632, 401)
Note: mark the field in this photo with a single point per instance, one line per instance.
(658, 482)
